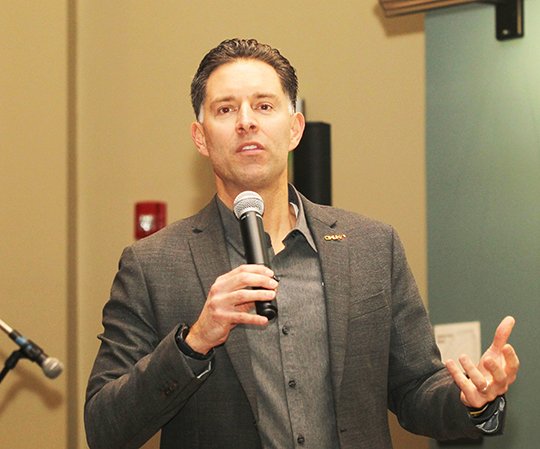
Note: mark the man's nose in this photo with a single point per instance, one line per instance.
(246, 120)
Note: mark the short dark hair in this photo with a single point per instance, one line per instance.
(232, 49)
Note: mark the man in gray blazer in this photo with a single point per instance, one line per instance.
(183, 351)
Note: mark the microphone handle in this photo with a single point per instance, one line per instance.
(31, 350)
(257, 253)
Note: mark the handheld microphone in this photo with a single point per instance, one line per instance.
(249, 208)
(51, 367)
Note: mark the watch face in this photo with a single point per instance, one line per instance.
(184, 330)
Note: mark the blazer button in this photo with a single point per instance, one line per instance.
(300, 439)
(292, 383)
(170, 388)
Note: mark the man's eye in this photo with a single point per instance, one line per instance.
(265, 107)
(224, 110)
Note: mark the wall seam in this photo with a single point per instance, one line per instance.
(72, 212)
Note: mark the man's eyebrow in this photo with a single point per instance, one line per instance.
(258, 96)
(223, 99)
(262, 95)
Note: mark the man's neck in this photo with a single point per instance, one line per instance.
(278, 218)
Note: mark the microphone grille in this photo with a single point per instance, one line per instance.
(52, 367)
(248, 201)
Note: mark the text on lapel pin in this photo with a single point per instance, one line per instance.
(334, 237)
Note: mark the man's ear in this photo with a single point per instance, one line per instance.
(197, 135)
(298, 123)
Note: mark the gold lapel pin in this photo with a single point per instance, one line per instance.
(334, 237)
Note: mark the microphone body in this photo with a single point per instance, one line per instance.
(248, 208)
(51, 367)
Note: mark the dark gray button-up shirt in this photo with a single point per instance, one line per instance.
(290, 357)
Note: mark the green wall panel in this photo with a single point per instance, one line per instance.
(483, 184)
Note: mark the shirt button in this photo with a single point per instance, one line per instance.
(292, 383)
(285, 330)
(300, 439)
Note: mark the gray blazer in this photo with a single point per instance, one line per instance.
(382, 350)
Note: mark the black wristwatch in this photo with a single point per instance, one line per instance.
(180, 338)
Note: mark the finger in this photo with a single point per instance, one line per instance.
(239, 280)
(254, 268)
(247, 268)
(512, 362)
(497, 372)
(458, 375)
(248, 319)
(251, 276)
(475, 375)
(466, 386)
(240, 297)
(503, 332)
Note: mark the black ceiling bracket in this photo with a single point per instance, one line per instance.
(508, 13)
(509, 19)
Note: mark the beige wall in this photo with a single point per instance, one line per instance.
(33, 198)
(135, 60)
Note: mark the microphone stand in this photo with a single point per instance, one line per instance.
(11, 362)
(15, 356)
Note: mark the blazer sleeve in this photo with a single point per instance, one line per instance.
(139, 381)
(421, 391)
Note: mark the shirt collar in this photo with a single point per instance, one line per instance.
(301, 222)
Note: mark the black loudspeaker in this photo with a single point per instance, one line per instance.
(312, 169)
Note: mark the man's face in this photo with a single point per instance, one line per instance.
(248, 127)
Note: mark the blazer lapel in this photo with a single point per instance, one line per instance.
(208, 247)
(334, 258)
(211, 260)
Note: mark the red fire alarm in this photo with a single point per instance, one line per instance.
(150, 217)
